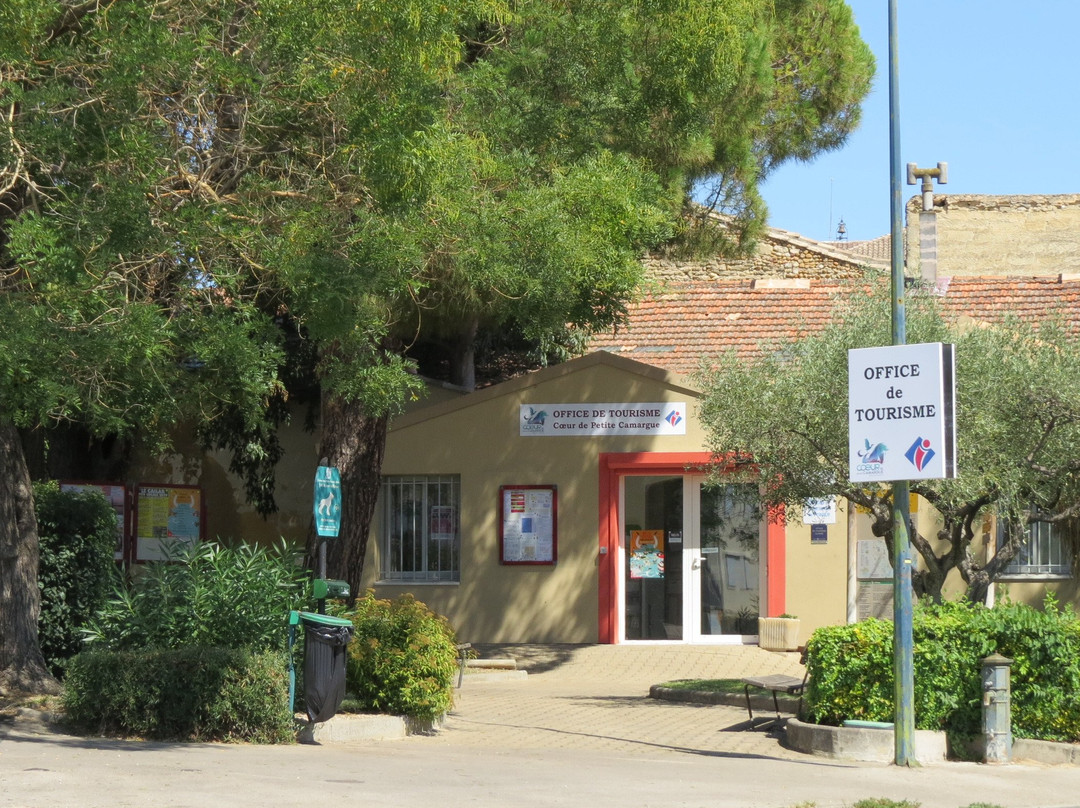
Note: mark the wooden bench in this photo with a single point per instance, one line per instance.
(776, 683)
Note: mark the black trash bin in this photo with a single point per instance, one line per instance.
(325, 639)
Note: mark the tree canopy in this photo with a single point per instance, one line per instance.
(202, 201)
(784, 418)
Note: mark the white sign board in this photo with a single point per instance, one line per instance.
(820, 511)
(901, 405)
(583, 420)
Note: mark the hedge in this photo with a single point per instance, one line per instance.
(77, 540)
(195, 693)
(851, 669)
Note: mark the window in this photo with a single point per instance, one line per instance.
(420, 528)
(1044, 553)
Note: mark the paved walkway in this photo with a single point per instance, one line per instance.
(579, 731)
(596, 697)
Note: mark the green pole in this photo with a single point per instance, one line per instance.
(903, 658)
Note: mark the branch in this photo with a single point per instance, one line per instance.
(71, 18)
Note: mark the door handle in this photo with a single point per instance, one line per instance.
(696, 565)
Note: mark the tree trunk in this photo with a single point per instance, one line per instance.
(354, 442)
(463, 356)
(22, 667)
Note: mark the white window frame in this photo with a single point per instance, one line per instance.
(420, 529)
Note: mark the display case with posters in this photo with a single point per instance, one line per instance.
(118, 497)
(167, 517)
(528, 524)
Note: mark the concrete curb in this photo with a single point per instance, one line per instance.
(861, 744)
(352, 727)
(346, 727)
(1048, 752)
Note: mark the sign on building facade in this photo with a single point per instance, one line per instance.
(589, 419)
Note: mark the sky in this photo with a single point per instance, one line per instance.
(987, 86)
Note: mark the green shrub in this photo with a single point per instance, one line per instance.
(1045, 674)
(850, 673)
(189, 694)
(77, 534)
(208, 594)
(402, 659)
(851, 669)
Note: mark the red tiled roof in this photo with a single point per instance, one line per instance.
(679, 329)
(993, 299)
(879, 248)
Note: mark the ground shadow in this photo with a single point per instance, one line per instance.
(530, 657)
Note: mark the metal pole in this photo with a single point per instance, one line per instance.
(322, 573)
(903, 662)
(321, 603)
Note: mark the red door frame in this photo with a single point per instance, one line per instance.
(614, 465)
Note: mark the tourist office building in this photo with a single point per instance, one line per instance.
(579, 504)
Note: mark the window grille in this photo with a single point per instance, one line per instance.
(1045, 551)
(420, 528)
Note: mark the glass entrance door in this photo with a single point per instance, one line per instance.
(690, 567)
(726, 560)
(652, 517)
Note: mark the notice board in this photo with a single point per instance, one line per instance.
(116, 494)
(167, 516)
(528, 524)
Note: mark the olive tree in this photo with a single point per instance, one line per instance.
(781, 419)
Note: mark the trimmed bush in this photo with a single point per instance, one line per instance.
(402, 659)
(208, 594)
(186, 694)
(851, 673)
(76, 570)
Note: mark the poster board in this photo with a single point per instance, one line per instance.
(116, 494)
(646, 554)
(167, 515)
(528, 524)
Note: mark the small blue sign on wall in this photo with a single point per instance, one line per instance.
(327, 501)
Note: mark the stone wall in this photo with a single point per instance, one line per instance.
(779, 254)
(1000, 235)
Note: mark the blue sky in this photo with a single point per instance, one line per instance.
(988, 86)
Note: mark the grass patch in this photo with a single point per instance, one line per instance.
(706, 685)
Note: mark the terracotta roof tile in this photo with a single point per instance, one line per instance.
(680, 329)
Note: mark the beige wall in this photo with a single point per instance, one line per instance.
(480, 442)
(817, 575)
(1000, 235)
(228, 515)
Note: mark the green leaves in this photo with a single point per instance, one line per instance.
(401, 659)
(210, 595)
(193, 693)
(77, 535)
(1017, 425)
(851, 669)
